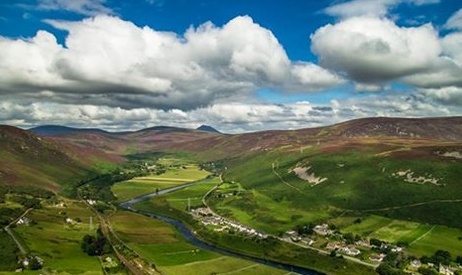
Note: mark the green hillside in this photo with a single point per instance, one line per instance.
(356, 178)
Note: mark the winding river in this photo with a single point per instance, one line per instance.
(191, 238)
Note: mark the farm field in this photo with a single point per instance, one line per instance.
(142, 185)
(438, 237)
(160, 244)
(193, 194)
(423, 239)
(58, 242)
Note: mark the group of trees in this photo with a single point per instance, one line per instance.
(440, 257)
(98, 186)
(393, 264)
(95, 245)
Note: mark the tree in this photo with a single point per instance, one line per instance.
(95, 246)
(349, 238)
(441, 257)
(459, 260)
(425, 259)
(375, 242)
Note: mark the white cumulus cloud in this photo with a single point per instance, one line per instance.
(107, 61)
(372, 50)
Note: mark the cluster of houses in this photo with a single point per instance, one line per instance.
(208, 218)
(442, 269)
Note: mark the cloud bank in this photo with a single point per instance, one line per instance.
(113, 74)
(111, 62)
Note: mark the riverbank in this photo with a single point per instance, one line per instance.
(242, 246)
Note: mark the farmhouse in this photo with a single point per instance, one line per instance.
(91, 202)
(352, 251)
(416, 263)
(332, 246)
(293, 235)
(378, 258)
(445, 270)
(24, 221)
(322, 229)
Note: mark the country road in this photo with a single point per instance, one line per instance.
(12, 235)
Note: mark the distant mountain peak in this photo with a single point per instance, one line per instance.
(207, 128)
(49, 130)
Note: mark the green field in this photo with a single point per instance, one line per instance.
(438, 237)
(192, 194)
(359, 179)
(423, 239)
(223, 265)
(57, 242)
(387, 229)
(159, 243)
(142, 185)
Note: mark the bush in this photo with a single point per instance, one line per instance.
(427, 271)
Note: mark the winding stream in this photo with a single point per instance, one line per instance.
(191, 238)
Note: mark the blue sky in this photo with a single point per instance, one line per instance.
(241, 65)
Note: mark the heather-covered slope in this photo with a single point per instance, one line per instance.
(32, 160)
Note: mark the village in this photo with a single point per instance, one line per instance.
(220, 224)
(325, 240)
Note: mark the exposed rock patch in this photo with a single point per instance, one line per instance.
(408, 176)
(303, 173)
(453, 154)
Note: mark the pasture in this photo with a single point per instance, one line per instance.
(438, 237)
(194, 194)
(387, 229)
(176, 175)
(423, 239)
(58, 242)
(223, 265)
(159, 243)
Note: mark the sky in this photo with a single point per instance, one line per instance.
(237, 65)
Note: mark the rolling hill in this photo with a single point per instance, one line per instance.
(28, 159)
(59, 152)
(48, 130)
(32, 160)
(400, 171)
(211, 144)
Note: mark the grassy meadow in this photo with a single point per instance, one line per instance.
(58, 242)
(174, 175)
(160, 244)
(194, 194)
(360, 180)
